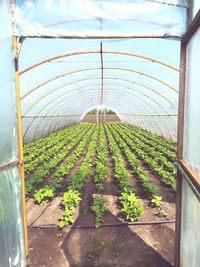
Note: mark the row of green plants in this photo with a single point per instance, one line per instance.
(131, 206)
(101, 169)
(44, 194)
(142, 175)
(53, 140)
(72, 197)
(152, 137)
(149, 158)
(44, 142)
(150, 151)
(47, 154)
(37, 178)
(81, 141)
(99, 208)
(135, 132)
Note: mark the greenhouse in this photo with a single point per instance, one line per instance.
(100, 135)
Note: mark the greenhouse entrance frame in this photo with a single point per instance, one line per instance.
(186, 173)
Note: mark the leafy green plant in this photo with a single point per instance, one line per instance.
(43, 195)
(99, 208)
(67, 217)
(71, 197)
(156, 201)
(131, 206)
(37, 177)
(69, 201)
(161, 213)
(154, 159)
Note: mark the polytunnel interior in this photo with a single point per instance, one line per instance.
(129, 76)
(61, 59)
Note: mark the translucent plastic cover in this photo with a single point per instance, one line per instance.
(95, 65)
(190, 234)
(100, 19)
(192, 111)
(11, 228)
(63, 79)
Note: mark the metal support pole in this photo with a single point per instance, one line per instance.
(97, 115)
(20, 141)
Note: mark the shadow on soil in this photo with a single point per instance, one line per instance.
(116, 246)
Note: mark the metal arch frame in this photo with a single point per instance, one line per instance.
(42, 110)
(97, 52)
(112, 109)
(120, 116)
(121, 69)
(38, 114)
(164, 122)
(160, 118)
(92, 107)
(92, 69)
(62, 124)
(169, 130)
(47, 114)
(145, 122)
(105, 78)
(55, 100)
(134, 91)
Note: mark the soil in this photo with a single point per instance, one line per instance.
(111, 246)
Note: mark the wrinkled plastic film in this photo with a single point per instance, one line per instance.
(192, 111)
(90, 19)
(190, 220)
(11, 230)
(133, 83)
(11, 225)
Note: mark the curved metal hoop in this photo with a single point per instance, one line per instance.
(97, 52)
(144, 110)
(50, 111)
(132, 91)
(105, 78)
(65, 104)
(91, 69)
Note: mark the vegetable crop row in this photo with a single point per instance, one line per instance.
(131, 206)
(152, 137)
(142, 175)
(170, 155)
(49, 190)
(151, 160)
(47, 167)
(49, 153)
(53, 140)
(72, 196)
(101, 169)
(150, 151)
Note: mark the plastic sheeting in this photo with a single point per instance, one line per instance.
(11, 230)
(129, 76)
(106, 18)
(137, 79)
(190, 234)
(192, 111)
(195, 8)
